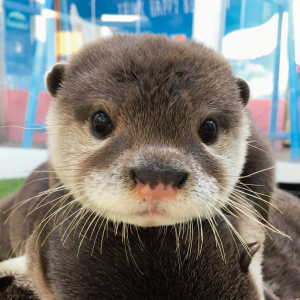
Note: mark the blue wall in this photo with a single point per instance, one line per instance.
(160, 16)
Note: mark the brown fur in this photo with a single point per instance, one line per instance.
(15, 292)
(281, 265)
(14, 233)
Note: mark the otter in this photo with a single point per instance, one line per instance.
(145, 132)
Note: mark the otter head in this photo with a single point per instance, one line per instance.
(148, 131)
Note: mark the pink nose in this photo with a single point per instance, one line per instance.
(159, 191)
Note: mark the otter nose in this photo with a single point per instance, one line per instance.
(158, 182)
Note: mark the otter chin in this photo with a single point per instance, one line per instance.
(148, 131)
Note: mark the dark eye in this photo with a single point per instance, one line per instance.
(208, 132)
(101, 124)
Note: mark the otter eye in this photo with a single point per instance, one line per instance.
(101, 124)
(208, 132)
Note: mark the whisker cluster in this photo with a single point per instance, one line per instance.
(238, 205)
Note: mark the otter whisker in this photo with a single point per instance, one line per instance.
(62, 200)
(177, 246)
(257, 172)
(231, 233)
(18, 205)
(244, 192)
(86, 230)
(55, 177)
(85, 212)
(99, 217)
(244, 244)
(253, 212)
(72, 223)
(251, 184)
(47, 219)
(124, 241)
(58, 198)
(140, 241)
(236, 193)
(37, 197)
(163, 228)
(230, 212)
(212, 222)
(237, 196)
(65, 214)
(97, 237)
(269, 196)
(106, 224)
(191, 226)
(56, 227)
(87, 219)
(249, 144)
(200, 233)
(246, 201)
(46, 196)
(240, 207)
(130, 251)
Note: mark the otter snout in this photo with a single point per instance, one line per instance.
(158, 181)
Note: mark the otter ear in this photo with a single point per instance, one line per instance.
(244, 90)
(246, 256)
(54, 78)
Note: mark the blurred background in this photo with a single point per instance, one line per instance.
(260, 38)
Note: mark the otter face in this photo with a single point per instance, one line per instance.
(148, 131)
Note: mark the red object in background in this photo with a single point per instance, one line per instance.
(260, 110)
(180, 38)
(16, 111)
(17, 102)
